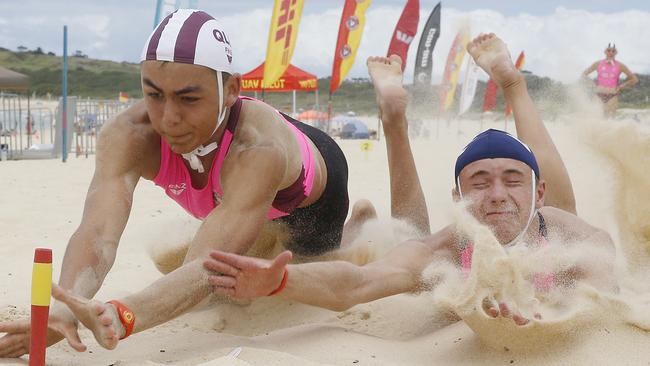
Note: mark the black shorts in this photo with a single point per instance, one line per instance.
(318, 228)
(606, 97)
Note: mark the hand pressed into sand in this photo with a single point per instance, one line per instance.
(61, 324)
(497, 309)
(244, 277)
(99, 317)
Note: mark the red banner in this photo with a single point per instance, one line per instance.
(350, 31)
(490, 100)
(405, 31)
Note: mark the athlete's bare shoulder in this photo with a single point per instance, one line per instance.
(259, 121)
(127, 139)
(565, 225)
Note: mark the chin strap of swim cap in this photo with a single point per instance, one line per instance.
(533, 210)
(193, 156)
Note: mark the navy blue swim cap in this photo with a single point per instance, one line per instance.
(493, 144)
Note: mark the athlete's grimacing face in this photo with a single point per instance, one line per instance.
(182, 102)
(500, 195)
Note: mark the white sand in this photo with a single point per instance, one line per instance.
(41, 204)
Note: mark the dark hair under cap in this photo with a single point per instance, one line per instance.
(493, 144)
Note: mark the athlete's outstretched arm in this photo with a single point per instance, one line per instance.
(92, 248)
(233, 226)
(531, 130)
(336, 285)
(492, 55)
(407, 199)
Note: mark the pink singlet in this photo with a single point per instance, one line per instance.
(175, 179)
(608, 73)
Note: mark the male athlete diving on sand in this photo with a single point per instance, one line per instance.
(518, 193)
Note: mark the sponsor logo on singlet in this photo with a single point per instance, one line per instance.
(176, 189)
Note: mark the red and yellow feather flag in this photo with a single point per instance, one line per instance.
(282, 38)
(353, 20)
(519, 65)
(490, 99)
(452, 69)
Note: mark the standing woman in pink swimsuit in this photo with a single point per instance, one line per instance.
(607, 83)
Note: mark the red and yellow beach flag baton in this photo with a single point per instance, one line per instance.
(41, 292)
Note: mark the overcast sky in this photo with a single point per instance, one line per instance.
(560, 38)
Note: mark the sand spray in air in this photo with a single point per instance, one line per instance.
(503, 275)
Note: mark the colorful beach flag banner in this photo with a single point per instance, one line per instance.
(424, 56)
(490, 98)
(405, 31)
(469, 86)
(452, 69)
(282, 38)
(353, 21)
(519, 65)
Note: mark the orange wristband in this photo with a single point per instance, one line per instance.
(283, 284)
(127, 318)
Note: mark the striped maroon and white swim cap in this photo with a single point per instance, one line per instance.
(192, 37)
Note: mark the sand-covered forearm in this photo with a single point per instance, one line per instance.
(86, 263)
(170, 296)
(339, 285)
(330, 285)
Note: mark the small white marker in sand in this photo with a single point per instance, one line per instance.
(235, 352)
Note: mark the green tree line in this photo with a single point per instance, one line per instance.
(105, 79)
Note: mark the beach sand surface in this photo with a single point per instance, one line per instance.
(41, 203)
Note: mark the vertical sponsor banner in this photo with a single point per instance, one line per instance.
(452, 69)
(469, 86)
(405, 31)
(490, 99)
(353, 20)
(519, 65)
(428, 39)
(282, 38)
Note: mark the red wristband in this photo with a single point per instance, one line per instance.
(127, 318)
(283, 284)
